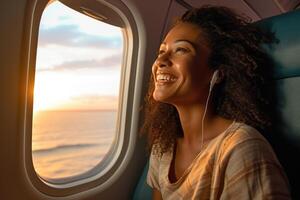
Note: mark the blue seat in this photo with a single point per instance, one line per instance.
(143, 191)
(286, 136)
(285, 55)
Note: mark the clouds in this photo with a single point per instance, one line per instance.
(69, 40)
(95, 98)
(113, 61)
(78, 61)
(71, 35)
(88, 102)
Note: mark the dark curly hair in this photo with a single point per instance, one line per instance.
(236, 50)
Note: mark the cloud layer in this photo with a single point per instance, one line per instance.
(70, 35)
(106, 62)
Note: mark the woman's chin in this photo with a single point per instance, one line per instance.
(161, 97)
(165, 99)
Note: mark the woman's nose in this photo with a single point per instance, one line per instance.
(163, 60)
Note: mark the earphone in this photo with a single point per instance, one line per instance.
(213, 81)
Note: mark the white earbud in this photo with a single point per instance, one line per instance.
(214, 79)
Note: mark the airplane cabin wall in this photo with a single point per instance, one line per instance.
(151, 22)
(11, 20)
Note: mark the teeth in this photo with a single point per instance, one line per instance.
(165, 77)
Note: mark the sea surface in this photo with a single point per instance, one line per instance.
(67, 143)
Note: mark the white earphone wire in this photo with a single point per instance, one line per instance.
(212, 83)
(202, 127)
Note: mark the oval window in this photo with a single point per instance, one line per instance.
(76, 93)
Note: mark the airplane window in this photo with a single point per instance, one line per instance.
(76, 92)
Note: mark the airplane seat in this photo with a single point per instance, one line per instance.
(285, 137)
(143, 191)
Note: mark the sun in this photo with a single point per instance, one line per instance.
(67, 91)
(51, 91)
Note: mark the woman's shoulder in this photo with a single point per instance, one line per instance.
(243, 133)
(246, 141)
(247, 160)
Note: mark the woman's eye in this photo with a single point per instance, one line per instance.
(181, 50)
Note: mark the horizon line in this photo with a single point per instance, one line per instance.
(76, 110)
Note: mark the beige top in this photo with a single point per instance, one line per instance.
(237, 164)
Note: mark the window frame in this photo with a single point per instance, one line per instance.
(110, 169)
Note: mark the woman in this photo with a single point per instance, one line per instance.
(205, 108)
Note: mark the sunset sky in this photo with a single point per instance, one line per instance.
(78, 62)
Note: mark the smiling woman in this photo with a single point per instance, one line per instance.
(76, 92)
(212, 148)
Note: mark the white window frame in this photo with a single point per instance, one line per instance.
(110, 169)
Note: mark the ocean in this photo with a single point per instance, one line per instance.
(67, 143)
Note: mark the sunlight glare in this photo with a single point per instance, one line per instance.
(51, 90)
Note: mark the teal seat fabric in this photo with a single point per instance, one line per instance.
(286, 136)
(285, 55)
(143, 191)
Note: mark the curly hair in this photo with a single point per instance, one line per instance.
(236, 50)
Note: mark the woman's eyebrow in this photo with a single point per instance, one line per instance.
(183, 40)
(195, 46)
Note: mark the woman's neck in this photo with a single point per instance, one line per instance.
(191, 122)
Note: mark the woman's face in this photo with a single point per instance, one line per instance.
(181, 73)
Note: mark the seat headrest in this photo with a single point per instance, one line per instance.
(285, 54)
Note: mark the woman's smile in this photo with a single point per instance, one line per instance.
(164, 78)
